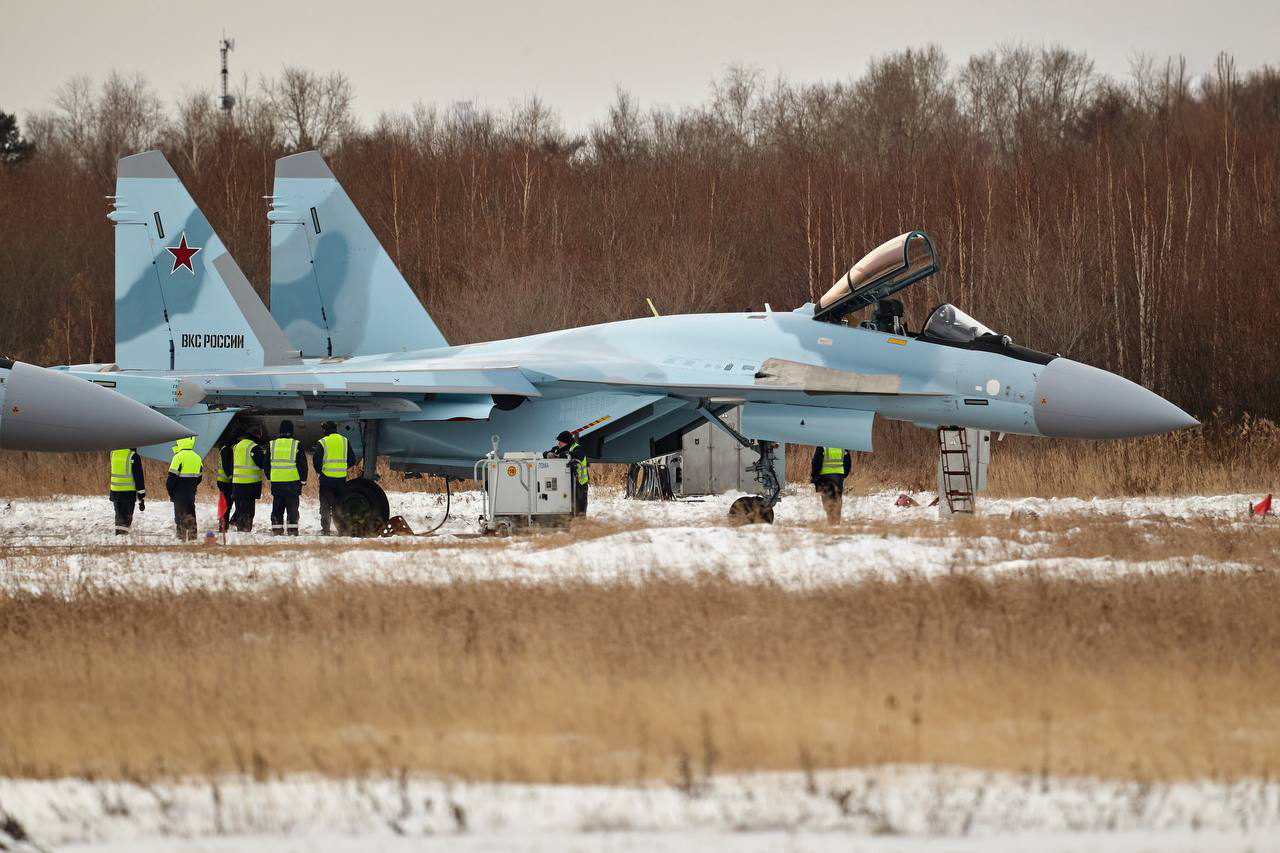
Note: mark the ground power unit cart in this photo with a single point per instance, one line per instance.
(523, 490)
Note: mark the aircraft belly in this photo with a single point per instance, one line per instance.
(816, 425)
(531, 426)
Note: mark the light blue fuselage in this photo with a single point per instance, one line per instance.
(713, 357)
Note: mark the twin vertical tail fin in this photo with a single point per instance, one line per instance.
(334, 290)
(182, 302)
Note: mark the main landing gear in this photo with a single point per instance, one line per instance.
(364, 509)
(753, 509)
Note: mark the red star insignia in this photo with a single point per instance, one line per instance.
(182, 255)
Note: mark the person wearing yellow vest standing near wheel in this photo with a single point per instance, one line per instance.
(827, 472)
(128, 488)
(288, 476)
(224, 484)
(332, 458)
(567, 447)
(246, 460)
(184, 478)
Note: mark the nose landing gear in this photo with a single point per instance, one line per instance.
(753, 509)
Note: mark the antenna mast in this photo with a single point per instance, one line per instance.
(227, 101)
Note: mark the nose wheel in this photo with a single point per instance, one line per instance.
(752, 509)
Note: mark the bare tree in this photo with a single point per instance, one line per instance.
(192, 132)
(312, 111)
(129, 118)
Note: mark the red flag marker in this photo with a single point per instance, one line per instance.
(1263, 507)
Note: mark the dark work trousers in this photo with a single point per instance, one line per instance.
(184, 512)
(246, 497)
(225, 519)
(580, 498)
(831, 489)
(284, 504)
(331, 491)
(124, 502)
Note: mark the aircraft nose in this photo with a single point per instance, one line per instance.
(51, 411)
(1074, 400)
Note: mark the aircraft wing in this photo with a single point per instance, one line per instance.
(433, 392)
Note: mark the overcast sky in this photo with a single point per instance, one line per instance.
(573, 55)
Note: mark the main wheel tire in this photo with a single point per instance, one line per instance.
(751, 510)
(363, 510)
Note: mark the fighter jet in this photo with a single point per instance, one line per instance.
(347, 340)
(45, 410)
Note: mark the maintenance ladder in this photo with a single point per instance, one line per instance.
(956, 463)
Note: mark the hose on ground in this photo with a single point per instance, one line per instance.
(446, 509)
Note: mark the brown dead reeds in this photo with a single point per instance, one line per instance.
(1142, 676)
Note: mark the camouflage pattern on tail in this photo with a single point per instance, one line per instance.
(334, 290)
(182, 302)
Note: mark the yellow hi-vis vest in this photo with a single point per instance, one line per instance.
(832, 461)
(335, 456)
(243, 468)
(223, 476)
(583, 475)
(122, 471)
(186, 462)
(284, 460)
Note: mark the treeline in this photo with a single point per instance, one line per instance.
(1133, 224)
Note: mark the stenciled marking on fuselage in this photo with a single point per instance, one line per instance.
(212, 341)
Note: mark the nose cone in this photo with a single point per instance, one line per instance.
(1074, 400)
(50, 411)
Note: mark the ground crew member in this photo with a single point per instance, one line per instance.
(288, 476)
(567, 447)
(246, 460)
(827, 472)
(224, 485)
(184, 478)
(127, 487)
(332, 459)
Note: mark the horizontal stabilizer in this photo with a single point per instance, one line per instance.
(334, 290)
(182, 302)
(207, 426)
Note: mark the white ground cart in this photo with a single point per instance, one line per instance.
(523, 489)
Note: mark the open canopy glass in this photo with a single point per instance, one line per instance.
(883, 271)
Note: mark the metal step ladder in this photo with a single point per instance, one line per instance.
(956, 468)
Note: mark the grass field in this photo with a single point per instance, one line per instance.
(1147, 676)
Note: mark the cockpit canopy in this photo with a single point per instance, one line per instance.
(884, 270)
(949, 323)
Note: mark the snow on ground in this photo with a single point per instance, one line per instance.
(880, 808)
(62, 544)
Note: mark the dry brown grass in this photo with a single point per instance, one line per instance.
(1160, 676)
(1222, 458)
